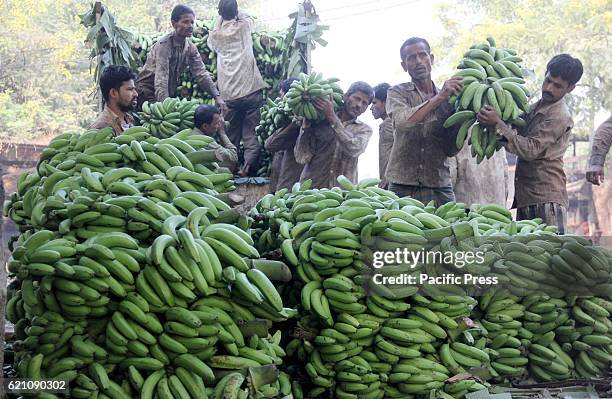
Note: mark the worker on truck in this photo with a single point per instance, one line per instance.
(120, 97)
(286, 170)
(240, 82)
(332, 147)
(385, 131)
(540, 179)
(207, 120)
(600, 146)
(419, 164)
(169, 57)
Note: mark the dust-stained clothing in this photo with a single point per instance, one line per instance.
(237, 72)
(240, 83)
(600, 143)
(540, 147)
(288, 171)
(328, 151)
(385, 144)
(484, 183)
(166, 61)
(225, 151)
(108, 118)
(420, 152)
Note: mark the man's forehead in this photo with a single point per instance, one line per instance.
(416, 48)
(556, 79)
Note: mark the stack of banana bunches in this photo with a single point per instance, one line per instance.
(268, 48)
(133, 277)
(354, 339)
(491, 76)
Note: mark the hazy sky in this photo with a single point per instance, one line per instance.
(364, 39)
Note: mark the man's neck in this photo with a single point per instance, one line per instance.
(425, 86)
(116, 110)
(344, 116)
(178, 38)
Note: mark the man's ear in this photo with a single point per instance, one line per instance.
(113, 93)
(404, 67)
(570, 88)
(432, 58)
(173, 24)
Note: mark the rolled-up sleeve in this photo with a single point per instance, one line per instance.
(602, 140)
(162, 72)
(400, 112)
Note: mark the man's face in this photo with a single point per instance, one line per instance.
(210, 129)
(418, 61)
(554, 88)
(126, 97)
(356, 104)
(378, 108)
(184, 26)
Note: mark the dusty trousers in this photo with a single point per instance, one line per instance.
(243, 116)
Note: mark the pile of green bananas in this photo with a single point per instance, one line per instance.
(165, 118)
(133, 277)
(274, 115)
(355, 339)
(302, 91)
(491, 76)
(269, 49)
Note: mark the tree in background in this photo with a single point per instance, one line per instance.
(539, 29)
(46, 84)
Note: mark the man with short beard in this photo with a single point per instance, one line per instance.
(120, 97)
(385, 131)
(332, 147)
(540, 188)
(169, 57)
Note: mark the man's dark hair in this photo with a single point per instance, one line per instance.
(204, 114)
(228, 9)
(180, 10)
(285, 85)
(113, 76)
(380, 91)
(565, 67)
(410, 42)
(362, 87)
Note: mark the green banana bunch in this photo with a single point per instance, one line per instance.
(491, 76)
(299, 97)
(132, 267)
(398, 342)
(274, 115)
(164, 119)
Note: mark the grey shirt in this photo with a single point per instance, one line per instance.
(420, 152)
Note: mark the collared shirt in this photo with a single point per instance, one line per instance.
(237, 72)
(385, 144)
(420, 152)
(108, 118)
(225, 151)
(328, 151)
(540, 148)
(166, 62)
(601, 141)
(281, 143)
